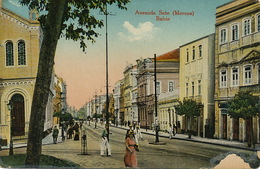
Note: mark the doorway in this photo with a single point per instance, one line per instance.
(18, 116)
(224, 126)
(235, 129)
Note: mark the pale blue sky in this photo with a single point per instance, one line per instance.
(130, 37)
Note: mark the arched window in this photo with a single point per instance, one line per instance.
(258, 23)
(247, 26)
(223, 36)
(234, 32)
(223, 78)
(9, 54)
(247, 74)
(21, 53)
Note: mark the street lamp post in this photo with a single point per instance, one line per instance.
(10, 108)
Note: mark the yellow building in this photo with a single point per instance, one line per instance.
(197, 82)
(20, 40)
(237, 63)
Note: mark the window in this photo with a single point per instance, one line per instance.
(192, 88)
(21, 53)
(34, 16)
(193, 53)
(199, 87)
(247, 75)
(223, 78)
(234, 35)
(187, 89)
(235, 77)
(9, 54)
(258, 23)
(200, 51)
(158, 87)
(247, 26)
(171, 86)
(223, 36)
(187, 55)
(259, 73)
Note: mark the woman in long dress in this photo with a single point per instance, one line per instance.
(130, 152)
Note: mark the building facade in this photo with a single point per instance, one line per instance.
(167, 80)
(20, 40)
(237, 63)
(197, 82)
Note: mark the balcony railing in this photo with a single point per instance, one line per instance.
(240, 43)
(253, 88)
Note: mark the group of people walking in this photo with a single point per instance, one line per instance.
(132, 137)
(131, 143)
(72, 132)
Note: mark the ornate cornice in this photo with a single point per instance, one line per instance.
(16, 83)
(17, 21)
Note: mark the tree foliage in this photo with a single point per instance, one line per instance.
(78, 23)
(243, 105)
(188, 107)
(81, 113)
(63, 117)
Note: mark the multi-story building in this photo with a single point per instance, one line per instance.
(166, 111)
(197, 82)
(20, 40)
(167, 80)
(127, 93)
(130, 104)
(122, 103)
(167, 71)
(116, 95)
(134, 114)
(237, 64)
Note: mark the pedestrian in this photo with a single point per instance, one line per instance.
(105, 146)
(76, 131)
(70, 132)
(138, 134)
(170, 132)
(130, 159)
(127, 131)
(174, 129)
(55, 134)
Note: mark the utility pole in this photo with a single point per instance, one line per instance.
(107, 98)
(107, 101)
(155, 103)
(155, 107)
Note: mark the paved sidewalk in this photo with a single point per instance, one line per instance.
(47, 140)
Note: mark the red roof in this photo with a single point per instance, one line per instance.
(173, 55)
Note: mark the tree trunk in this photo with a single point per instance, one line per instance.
(52, 29)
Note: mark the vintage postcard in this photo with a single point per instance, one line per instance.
(130, 83)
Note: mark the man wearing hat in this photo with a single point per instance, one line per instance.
(127, 131)
(105, 146)
(138, 134)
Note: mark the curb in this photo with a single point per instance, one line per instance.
(198, 141)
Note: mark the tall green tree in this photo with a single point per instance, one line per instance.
(246, 106)
(73, 20)
(190, 108)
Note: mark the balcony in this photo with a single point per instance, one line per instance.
(243, 42)
(254, 88)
